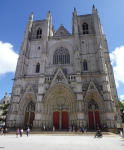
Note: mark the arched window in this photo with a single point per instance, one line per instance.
(39, 33)
(85, 65)
(38, 68)
(30, 106)
(92, 104)
(61, 55)
(85, 28)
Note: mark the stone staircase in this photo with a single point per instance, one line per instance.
(65, 133)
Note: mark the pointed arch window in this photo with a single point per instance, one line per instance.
(38, 68)
(92, 104)
(85, 65)
(39, 33)
(61, 55)
(85, 28)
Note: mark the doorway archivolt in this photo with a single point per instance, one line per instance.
(27, 110)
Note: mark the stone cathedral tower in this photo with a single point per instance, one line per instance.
(64, 79)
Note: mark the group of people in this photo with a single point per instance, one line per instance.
(72, 128)
(20, 131)
(3, 131)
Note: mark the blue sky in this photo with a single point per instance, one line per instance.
(14, 16)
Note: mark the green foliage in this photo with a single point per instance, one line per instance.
(121, 106)
(5, 109)
(4, 112)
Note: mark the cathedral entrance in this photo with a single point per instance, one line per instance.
(29, 115)
(94, 118)
(56, 120)
(64, 120)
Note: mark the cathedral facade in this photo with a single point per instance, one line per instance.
(64, 79)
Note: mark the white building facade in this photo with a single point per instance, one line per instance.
(64, 79)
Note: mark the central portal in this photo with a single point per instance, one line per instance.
(60, 122)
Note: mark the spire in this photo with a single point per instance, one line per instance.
(94, 10)
(75, 12)
(48, 14)
(31, 16)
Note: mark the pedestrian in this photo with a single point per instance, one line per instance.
(17, 132)
(104, 127)
(44, 128)
(5, 131)
(21, 132)
(82, 130)
(2, 131)
(28, 131)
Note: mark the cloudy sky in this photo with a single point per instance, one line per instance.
(14, 16)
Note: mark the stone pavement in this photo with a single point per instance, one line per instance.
(53, 142)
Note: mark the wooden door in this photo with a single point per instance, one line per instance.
(64, 120)
(32, 118)
(91, 120)
(26, 119)
(97, 118)
(56, 120)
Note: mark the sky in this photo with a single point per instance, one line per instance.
(14, 16)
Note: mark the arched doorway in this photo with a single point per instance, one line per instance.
(60, 101)
(93, 113)
(29, 114)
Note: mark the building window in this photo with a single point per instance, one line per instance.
(61, 56)
(85, 65)
(92, 104)
(39, 47)
(39, 33)
(85, 28)
(38, 68)
(30, 106)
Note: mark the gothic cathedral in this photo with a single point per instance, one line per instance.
(64, 79)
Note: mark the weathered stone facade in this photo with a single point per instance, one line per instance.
(63, 72)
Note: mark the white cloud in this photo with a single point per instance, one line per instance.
(117, 58)
(8, 58)
(122, 97)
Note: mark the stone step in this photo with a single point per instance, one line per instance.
(62, 132)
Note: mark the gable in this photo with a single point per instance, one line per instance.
(30, 89)
(91, 87)
(61, 32)
(59, 77)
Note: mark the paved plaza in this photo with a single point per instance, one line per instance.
(57, 142)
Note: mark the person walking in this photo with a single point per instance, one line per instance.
(5, 131)
(82, 130)
(2, 131)
(21, 132)
(44, 128)
(17, 132)
(28, 131)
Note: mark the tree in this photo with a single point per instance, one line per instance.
(121, 106)
(4, 108)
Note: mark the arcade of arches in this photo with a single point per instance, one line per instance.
(61, 110)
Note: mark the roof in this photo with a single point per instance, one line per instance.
(4, 99)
